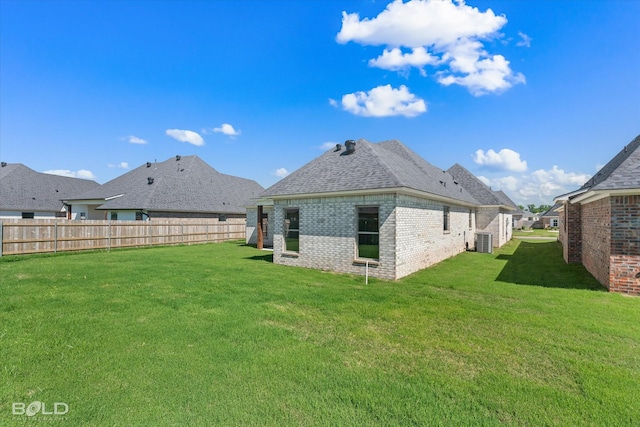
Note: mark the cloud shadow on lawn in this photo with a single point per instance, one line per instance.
(541, 264)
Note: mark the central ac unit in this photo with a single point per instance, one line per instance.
(484, 243)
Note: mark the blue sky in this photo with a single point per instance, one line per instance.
(532, 96)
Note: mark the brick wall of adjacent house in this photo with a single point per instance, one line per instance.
(572, 233)
(624, 275)
(596, 239)
(412, 234)
(421, 240)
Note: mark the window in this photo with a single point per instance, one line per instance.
(292, 230)
(445, 218)
(222, 218)
(61, 214)
(554, 222)
(138, 216)
(368, 233)
(28, 215)
(114, 216)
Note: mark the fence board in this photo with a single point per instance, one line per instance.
(42, 236)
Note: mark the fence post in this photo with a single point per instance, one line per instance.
(1, 240)
(182, 232)
(55, 237)
(109, 237)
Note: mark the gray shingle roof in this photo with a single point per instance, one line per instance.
(185, 185)
(482, 193)
(552, 211)
(23, 189)
(383, 165)
(622, 172)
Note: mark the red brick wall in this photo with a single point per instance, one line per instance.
(624, 276)
(572, 233)
(596, 239)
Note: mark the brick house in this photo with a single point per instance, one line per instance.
(377, 207)
(551, 218)
(600, 223)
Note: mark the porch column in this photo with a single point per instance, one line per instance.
(260, 242)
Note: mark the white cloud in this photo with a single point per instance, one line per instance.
(441, 33)
(505, 159)
(327, 145)
(281, 172)
(538, 187)
(384, 101)
(186, 136)
(395, 60)
(227, 129)
(82, 173)
(525, 40)
(333, 102)
(121, 165)
(134, 139)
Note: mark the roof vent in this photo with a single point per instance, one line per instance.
(148, 164)
(149, 180)
(350, 145)
(3, 164)
(178, 158)
(338, 147)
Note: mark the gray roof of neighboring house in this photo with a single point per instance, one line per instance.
(185, 185)
(552, 211)
(23, 189)
(483, 194)
(371, 166)
(622, 172)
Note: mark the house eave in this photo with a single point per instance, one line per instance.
(595, 195)
(392, 190)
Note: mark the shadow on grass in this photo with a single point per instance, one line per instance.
(268, 257)
(541, 264)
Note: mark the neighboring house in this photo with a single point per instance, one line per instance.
(180, 187)
(27, 194)
(517, 218)
(600, 223)
(370, 207)
(551, 218)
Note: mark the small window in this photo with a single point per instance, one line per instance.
(138, 216)
(28, 215)
(368, 233)
(61, 214)
(292, 230)
(446, 215)
(554, 222)
(222, 218)
(114, 216)
(83, 215)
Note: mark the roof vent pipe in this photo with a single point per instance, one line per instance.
(178, 158)
(338, 147)
(3, 164)
(149, 180)
(148, 164)
(350, 145)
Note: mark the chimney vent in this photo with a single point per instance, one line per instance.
(149, 180)
(178, 158)
(3, 164)
(350, 145)
(338, 147)
(148, 164)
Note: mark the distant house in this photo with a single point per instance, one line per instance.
(180, 187)
(600, 223)
(27, 194)
(376, 207)
(551, 218)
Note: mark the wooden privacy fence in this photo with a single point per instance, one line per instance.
(41, 236)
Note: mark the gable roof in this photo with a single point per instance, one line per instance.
(552, 211)
(372, 166)
(180, 184)
(23, 189)
(482, 192)
(622, 172)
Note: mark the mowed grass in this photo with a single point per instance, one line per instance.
(218, 335)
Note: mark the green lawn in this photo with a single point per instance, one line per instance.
(218, 335)
(553, 234)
